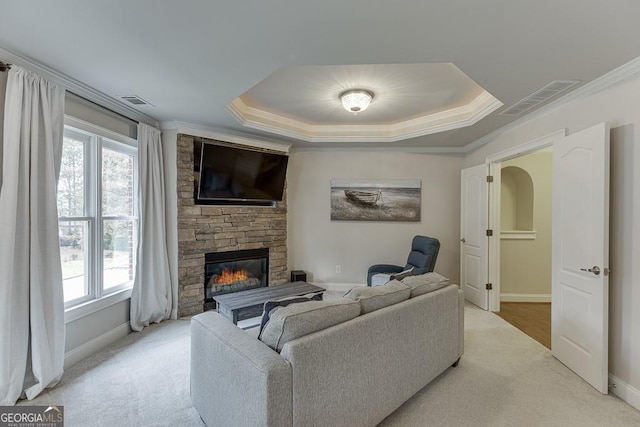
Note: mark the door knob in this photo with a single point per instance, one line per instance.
(595, 270)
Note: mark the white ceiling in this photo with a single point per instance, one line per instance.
(192, 58)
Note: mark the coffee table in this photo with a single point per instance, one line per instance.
(246, 304)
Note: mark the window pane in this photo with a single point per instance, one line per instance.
(117, 183)
(73, 252)
(71, 182)
(118, 252)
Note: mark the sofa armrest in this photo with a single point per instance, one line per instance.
(382, 268)
(236, 379)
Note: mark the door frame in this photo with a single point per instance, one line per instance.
(494, 162)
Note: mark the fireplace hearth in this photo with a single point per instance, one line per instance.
(233, 271)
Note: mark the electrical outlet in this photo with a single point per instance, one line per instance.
(338, 269)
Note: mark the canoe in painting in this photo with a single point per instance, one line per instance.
(369, 198)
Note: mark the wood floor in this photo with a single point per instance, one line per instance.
(532, 318)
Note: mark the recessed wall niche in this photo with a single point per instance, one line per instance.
(516, 199)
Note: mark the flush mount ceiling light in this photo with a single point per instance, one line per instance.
(356, 100)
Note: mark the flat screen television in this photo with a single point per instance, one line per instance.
(231, 175)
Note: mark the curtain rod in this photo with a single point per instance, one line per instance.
(6, 66)
(103, 107)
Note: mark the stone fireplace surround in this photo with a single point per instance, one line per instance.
(203, 229)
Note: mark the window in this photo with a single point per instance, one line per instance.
(98, 219)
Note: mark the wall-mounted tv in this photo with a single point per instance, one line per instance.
(231, 175)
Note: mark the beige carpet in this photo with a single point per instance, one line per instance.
(504, 378)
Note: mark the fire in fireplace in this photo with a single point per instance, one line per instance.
(228, 277)
(235, 271)
(239, 278)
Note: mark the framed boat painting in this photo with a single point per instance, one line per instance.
(376, 200)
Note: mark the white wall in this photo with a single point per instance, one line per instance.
(316, 244)
(620, 106)
(96, 331)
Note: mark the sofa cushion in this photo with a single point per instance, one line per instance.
(425, 283)
(375, 298)
(296, 320)
(283, 302)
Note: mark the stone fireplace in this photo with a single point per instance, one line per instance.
(214, 230)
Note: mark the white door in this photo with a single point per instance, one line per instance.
(580, 248)
(473, 237)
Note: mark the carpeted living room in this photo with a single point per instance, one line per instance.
(504, 379)
(319, 214)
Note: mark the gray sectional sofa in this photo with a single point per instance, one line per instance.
(354, 373)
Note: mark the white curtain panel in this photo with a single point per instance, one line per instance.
(32, 328)
(151, 295)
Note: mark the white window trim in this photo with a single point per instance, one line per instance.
(81, 310)
(95, 301)
(105, 133)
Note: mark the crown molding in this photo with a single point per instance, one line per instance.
(528, 147)
(456, 151)
(454, 118)
(630, 69)
(207, 132)
(266, 121)
(212, 133)
(77, 87)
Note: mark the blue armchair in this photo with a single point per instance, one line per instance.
(422, 258)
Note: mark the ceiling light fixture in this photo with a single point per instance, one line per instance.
(356, 100)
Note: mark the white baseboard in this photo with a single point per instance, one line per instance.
(87, 349)
(339, 287)
(525, 297)
(624, 391)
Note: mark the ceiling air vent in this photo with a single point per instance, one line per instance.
(135, 100)
(538, 97)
